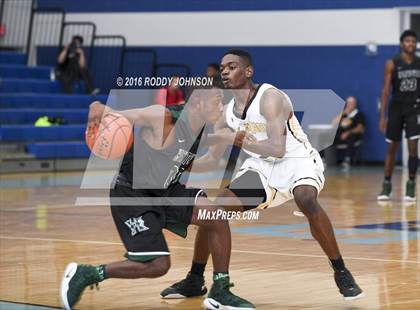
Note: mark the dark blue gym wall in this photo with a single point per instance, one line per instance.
(344, 69)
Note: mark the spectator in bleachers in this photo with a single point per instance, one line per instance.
(171, 95)
(214, 72)
(72, 67)
(351, 126)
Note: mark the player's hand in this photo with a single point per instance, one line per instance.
(243, 138)
(96, 110)
(248, 139)
(382, 125)
(221, 136)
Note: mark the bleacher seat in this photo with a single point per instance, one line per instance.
(47, 101)
(51, 150)
(29, 86)
(22, 133)
(24, 72)
(29, 116)
(12, 58)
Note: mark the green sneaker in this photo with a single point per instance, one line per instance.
(410, 191)
(386, 191)
(75, 279)
(220, 297)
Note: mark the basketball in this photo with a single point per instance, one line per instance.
(90, 136)
(112, 139)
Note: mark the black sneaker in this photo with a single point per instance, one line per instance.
(191, 286)
(220, 297)
(347, 285)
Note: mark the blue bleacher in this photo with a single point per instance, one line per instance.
(27, 93)
(29, 116)
(12, 58)
(23, 133)
(52, 150)
(47, 101)
(24, 72)
(11, 85)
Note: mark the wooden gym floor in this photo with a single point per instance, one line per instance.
(275, 262)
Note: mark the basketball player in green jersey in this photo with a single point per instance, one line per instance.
(165, 150)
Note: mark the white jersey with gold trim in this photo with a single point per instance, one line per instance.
(297, 143)
(301, 164)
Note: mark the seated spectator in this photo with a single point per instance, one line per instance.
(214, 72)
(351, 125)
(171, 95)
(71, 67)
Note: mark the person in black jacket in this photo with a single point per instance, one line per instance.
(351, 125)
(72, 66)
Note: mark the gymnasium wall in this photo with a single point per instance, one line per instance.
(218, 5)
(295, 44)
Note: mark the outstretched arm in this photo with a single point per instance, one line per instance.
(149, 117)
(211, 159)
(276, 108)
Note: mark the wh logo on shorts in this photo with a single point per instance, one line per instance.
(136, 225)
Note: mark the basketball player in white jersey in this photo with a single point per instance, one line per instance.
(282, 165)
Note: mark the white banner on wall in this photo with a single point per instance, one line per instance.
(251, 28)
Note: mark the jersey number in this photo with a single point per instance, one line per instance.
(408, 85)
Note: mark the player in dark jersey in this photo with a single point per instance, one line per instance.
(143, 201)
(402, 74)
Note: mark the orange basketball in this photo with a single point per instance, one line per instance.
(112, 139)
(90, 136)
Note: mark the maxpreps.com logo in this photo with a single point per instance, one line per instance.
(136, 225)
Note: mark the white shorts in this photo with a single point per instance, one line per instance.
(282, 176)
